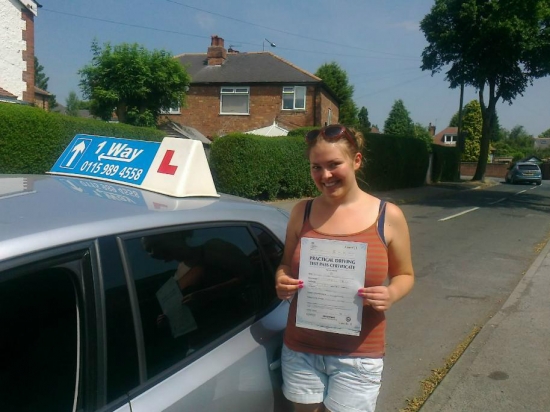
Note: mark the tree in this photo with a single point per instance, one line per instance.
(135, 83)
(336, 80)
(41, 81)
(363, 118)
(399, 121)
(72, 104)
(421, 132)
(499, 47)
(472, 124)
(546, 133)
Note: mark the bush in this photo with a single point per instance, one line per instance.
(260, 167)
(445, 164)
(393, 162)
(31, 139)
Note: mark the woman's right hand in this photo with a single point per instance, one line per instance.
(286, 286)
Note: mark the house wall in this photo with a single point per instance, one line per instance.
(202, 111)
(326, 102)
(11, 63)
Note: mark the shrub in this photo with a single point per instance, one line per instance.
(445, 164)
(31, 139)
(260, 167)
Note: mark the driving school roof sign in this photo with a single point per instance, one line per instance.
(175, 167)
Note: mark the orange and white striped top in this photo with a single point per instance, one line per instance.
(371, 341)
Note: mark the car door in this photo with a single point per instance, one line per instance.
(208, 325)
(47, 313)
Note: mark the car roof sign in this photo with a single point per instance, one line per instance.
(174, 167)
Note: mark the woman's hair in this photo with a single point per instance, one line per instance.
(351, 148)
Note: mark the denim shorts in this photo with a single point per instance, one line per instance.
(343, 384)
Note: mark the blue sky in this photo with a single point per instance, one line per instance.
(377, 42)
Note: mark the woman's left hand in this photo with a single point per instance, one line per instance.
(376, 296)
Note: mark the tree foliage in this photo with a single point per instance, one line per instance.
(546, 133)
(336, 80)
(421, 132)
(72, 104)
(499, 47)
(363, 118)
(399, 121)
(472, 124)
(516, 143)
(41, 81)
(135, 83)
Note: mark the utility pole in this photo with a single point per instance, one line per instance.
(459, 138)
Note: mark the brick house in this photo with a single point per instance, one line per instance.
(17, 39)
(242, 92)
(446, 137)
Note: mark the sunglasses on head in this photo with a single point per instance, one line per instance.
(331, 133)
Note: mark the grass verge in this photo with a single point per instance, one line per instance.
(428, 385)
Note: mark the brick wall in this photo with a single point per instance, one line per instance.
(492, 170)
(326, 102)
(202, 111)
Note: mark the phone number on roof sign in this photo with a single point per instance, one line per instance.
(106, 169)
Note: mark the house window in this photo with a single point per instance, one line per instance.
(171, 110)
(449, 139)
(329, 117)
(294, 98)
(234, 100)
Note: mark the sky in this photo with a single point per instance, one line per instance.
(377, 42)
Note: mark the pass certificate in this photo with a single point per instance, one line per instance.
(332, 271)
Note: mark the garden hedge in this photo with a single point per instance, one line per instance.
(32, 139)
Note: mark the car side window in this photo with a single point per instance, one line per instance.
(40, 350)
(194, 286)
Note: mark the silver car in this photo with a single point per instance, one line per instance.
(115, 298)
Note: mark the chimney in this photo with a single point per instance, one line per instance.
(216, 54)
(431, 130)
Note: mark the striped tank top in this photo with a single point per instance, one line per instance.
(371, 341)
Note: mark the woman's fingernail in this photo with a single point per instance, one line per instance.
(300, 282)
(300, 286)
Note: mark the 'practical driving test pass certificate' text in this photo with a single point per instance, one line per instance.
(333, 271)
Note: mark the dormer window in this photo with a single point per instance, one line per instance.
(294, 98)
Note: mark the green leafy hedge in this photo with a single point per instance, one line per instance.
(31, 139)
(393, 162)
(445, 164)
(260, 167)
(277, 167)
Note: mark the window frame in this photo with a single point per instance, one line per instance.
(294, 93)
(73, 259)
(233, 91)
(147, 382)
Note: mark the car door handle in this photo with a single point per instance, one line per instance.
(275, 365)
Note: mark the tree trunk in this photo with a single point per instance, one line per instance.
(121, 112)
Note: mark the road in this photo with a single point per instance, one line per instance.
(470, 249)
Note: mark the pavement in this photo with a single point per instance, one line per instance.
(506, 367)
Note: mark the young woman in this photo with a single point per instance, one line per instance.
(324, 370)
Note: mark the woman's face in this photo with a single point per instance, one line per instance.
(333, 168)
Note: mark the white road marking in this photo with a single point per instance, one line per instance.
(498, 201)
(519, 193)
(458, 214)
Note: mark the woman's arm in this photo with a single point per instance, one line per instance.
(400, 268)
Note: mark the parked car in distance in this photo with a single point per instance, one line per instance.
(114, 297)
(524, 172)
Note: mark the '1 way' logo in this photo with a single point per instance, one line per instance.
(118, 151)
